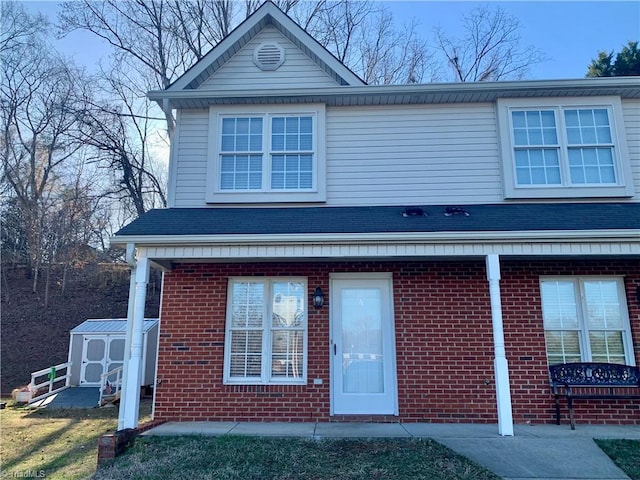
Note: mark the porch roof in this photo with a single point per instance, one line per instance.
(320, 220)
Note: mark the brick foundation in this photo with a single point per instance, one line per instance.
(444, 343)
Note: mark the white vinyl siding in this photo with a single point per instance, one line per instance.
(240, 73)
(563, 148)
(390, 155)
(419, 154)
(189, 161)
(631, 115)
(586, 319)
(265, 339)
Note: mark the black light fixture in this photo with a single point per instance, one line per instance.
(318, 298)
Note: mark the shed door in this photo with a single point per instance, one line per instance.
(100, 354)
(94, 349)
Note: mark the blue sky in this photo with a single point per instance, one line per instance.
(569, 33)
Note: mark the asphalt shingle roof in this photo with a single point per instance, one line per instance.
(384, 219)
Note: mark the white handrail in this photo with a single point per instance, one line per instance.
(53, 378)
(110, 384)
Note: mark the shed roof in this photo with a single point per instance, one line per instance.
(109, 325)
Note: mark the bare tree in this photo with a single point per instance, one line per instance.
(490, 48)
(39, 104)
(19, 31)
(120, 128)
(389, 55)
(160, 39)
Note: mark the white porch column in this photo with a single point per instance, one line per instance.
(129, 408)
(127, 345)
(501, 368)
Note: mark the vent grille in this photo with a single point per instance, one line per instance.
(268, 56)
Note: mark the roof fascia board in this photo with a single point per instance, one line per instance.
(600, 236)
(601, 86)
(268, 13)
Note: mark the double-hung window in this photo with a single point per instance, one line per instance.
(266, 332)
(586, 320)
(272, 155)
(564, 148)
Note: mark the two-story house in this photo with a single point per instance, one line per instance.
(335, 251)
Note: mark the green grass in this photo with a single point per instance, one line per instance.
(246, 458)
(54, 443)
(624, 453)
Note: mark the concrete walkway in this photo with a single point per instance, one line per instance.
(538, 452)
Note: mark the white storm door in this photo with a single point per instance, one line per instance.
(363, 345)
(94, 349)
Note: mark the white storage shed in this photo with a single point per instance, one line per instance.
(96, 346)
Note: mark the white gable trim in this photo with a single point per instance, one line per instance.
(267, 14)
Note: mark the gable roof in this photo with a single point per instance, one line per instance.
(499, 219)
(267, 14)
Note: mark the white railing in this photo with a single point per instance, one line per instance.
(110, 385)
(50, 380)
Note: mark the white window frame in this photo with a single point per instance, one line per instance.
(583, 329)
(624, 184)
(266, 377)
(317, 193)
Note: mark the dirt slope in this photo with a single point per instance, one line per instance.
(34, 337)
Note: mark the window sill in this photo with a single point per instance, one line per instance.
(235, 383)
(569, 192)
(267, 197)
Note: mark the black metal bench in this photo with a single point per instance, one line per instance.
(592, 381)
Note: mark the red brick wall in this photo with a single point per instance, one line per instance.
(444, 343)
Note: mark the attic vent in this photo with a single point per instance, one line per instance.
(268, 56)
(413, 212)
(451, 211)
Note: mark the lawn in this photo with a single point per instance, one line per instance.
(246, 458)
(62, 444)
(54, 443)
(625, 454)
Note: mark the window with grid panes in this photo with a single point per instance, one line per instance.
(563, 149)
(586, 320)
(266, 331)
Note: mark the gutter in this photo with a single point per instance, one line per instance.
(534, 236)
(601, 86)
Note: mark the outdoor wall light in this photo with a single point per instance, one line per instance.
(318, 298)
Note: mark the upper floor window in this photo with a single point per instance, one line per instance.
(564, 149)
(275, 155)
(586, 320)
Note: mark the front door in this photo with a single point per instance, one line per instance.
(362, 345)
